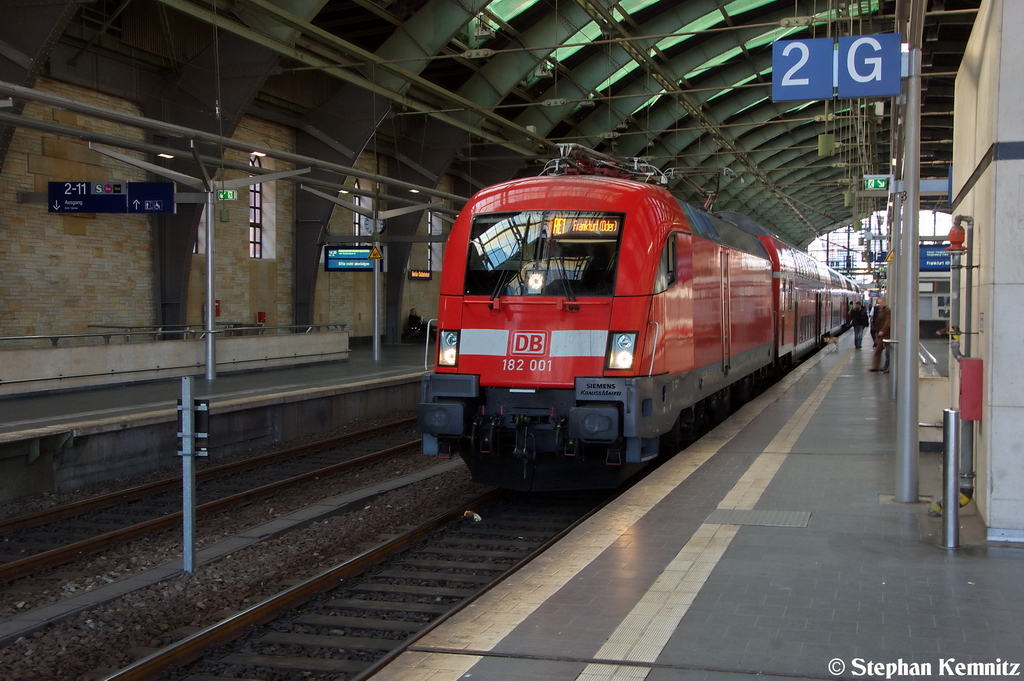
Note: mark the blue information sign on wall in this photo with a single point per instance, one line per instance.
(110, 197)
(347, 259)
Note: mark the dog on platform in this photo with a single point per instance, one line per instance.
(832, 342)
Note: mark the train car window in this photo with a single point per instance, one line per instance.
(549, 253)
(666, 266)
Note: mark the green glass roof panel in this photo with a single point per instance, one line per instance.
(649, 102)
(507, 10)
(741, 6)
(578, 41)
(689, 30)
(610, 80)
(763, 39)
(729, 90)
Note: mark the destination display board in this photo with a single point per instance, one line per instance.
(348, 259)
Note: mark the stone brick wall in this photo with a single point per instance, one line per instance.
(347, 297)
(423, 294)
(63, 274)
(68, 274)
(247, 285)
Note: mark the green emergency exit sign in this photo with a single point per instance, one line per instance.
(226, 195)
(875, 183)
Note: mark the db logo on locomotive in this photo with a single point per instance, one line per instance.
(528, 343)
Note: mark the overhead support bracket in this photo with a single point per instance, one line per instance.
(369, 212)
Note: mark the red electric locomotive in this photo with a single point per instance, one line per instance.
(585, 323)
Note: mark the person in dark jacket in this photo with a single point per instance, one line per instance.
(415, 323)
(882, 322)
(858, 319)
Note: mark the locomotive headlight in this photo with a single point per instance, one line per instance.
(448, 349)
(621, 349)
(535, 281)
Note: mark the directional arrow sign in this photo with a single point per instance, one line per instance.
(150, 197)
(110, 197)
(877, 182)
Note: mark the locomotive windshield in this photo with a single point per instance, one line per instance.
(550, 253)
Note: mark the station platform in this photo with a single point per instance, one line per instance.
(771, 548)
(23, 416)
(62, 441)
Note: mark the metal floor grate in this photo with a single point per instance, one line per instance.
(742, 516)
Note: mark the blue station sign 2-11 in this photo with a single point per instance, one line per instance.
(858, 66)
(110, 197)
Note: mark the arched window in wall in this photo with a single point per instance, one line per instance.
(361, 224)
(262, 213)
(256, 198)
(435, 249)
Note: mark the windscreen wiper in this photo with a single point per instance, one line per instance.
(566, 282)
(505, 275)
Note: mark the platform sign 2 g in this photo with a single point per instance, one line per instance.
(859, 66)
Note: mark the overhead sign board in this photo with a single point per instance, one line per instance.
(802, 69)
(934, 258)
(355, 259)
(859, 66)
(870, 65)
(110, 197)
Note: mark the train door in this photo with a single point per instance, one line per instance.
(726, 312)
(783, 300)
(819, 314)
(798, 327)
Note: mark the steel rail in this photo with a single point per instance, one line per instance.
(19, 568)
(191, 648)
(133, 493)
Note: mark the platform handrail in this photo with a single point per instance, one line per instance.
(426, 345)
(654, 350)
(925, 356)
(928, 361)
(179, 332)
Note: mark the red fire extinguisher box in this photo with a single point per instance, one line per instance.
(970, 388)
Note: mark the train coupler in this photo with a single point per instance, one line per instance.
(523, 448)
(561, 443)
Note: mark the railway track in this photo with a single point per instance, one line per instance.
(60, 534)
(351, 619)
